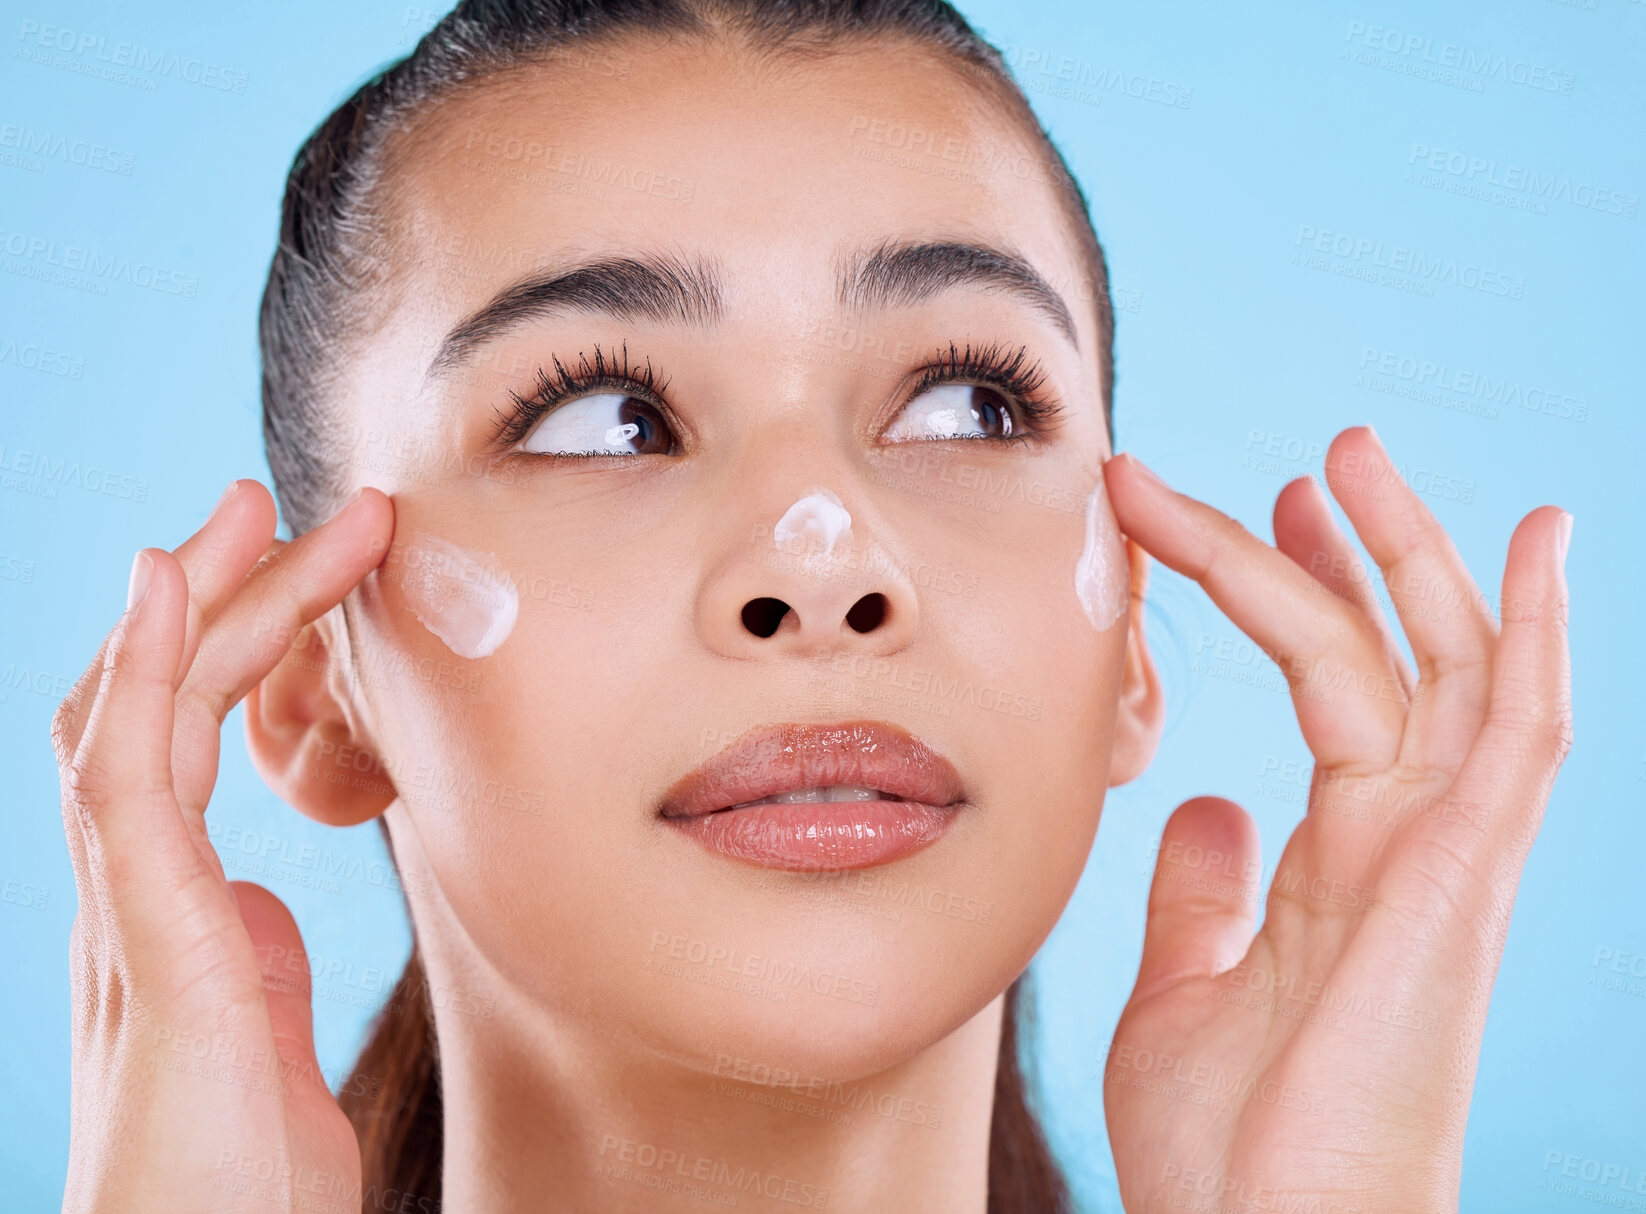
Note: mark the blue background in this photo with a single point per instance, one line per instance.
(1214, 141)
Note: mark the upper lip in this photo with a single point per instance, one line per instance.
(779, 758)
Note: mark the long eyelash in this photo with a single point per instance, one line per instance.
(551, 391)
(993, 364)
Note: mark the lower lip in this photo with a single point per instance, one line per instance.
(820, 836)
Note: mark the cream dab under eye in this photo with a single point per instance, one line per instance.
(459, 595)
(1100, 577)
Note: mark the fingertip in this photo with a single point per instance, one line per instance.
(261, 906)
(137, 582)
(377, 509)
(1365, 445)
(1305, 487)
(1213, 821)
(1548, 525)
(368, 502)
(1136, 474)
(154, 582)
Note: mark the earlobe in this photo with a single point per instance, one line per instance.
(1141, 715)
(306, 742)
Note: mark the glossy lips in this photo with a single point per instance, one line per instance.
(818, 835)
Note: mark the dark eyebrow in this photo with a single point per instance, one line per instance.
(648, 286)
(669, 290)
(907, 272)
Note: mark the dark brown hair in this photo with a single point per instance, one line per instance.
(333, 265)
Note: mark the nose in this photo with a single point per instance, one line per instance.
(791, 592)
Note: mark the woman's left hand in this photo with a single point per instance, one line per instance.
(1327, 1062)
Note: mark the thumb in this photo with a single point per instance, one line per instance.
(287, 988)
(1204, 899)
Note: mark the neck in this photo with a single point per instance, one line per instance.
(545, 1109)
(585, 1124)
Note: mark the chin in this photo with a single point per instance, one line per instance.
(807, 985)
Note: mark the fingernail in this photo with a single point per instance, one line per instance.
(1146, 470)
(1376, 438)
(227, 494)
(1565, 535)
(142, 569)
(350, 500)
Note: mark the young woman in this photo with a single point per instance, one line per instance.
(694, 417)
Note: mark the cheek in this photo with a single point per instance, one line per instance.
(461, 596)
(539, 761)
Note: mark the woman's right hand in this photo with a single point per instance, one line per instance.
(195, 1085)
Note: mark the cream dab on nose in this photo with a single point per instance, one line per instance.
(460, 596)
(1100, 576)
(820, 516)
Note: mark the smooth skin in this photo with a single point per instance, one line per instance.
(183, 1018)
(1331, 1057)
(167, 950)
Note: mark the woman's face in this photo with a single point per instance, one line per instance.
(575, 617)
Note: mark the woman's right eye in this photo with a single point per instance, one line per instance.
(606, 423)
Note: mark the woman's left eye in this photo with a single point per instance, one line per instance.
(955, 411)
(603, 423)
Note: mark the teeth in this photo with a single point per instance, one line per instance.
(833, 792)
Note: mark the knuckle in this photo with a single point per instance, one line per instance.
(1559, 732)
(64, 734)
(87, 783)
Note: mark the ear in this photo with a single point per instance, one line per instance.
(305, 734)
(1142, 713)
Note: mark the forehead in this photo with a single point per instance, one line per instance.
(773, 168)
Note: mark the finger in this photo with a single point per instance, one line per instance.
(117, 784)
(68, 722)
(1447, 620)
(1204, 899)
(287, 984)
(215, 560)
(1462, 859)
(290, 588)
(1306, 532)
(217, 557)
(1349, 700)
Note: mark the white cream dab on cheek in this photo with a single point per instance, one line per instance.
(460, 597)
(1100, 576)
(818, 515)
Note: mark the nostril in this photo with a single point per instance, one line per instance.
(868, 613)
(762, 616)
